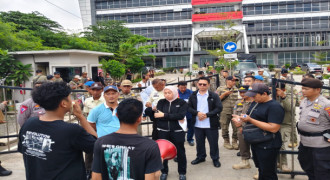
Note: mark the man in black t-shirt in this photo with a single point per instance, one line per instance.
(52, 148)
(124, 154)
(268, 115)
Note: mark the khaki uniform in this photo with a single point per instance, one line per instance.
(75, 84)
(213, 85)
(58, 80)
(222, 81)
(29, 109)
(265, 79)
(39, 78)
(76, 95)
(286, 129)
(228, 104)
(90, 103)
(241, 107)
(132, 95)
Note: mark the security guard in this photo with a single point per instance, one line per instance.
(39, 77)
(284, 96)
(241, 107)
(314, 148)
(228, 95)
(29, 109)
(222, 79)
(90, 103)
(261, 73)
(125, 93)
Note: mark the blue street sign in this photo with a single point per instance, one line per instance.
(230, 47)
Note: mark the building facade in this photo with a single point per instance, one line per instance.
(278, 31)
(285, 32)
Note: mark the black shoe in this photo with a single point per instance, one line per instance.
(4, 172)
(197, 161)
(89, 174)
(163, 177)
(191, 143)
(216, 163)
(182, 177)
(175, 159)
(239, 153)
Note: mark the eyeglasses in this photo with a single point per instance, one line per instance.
(202, 84)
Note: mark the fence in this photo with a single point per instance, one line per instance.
(10, 128)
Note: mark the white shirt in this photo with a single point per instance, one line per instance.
(202, 106)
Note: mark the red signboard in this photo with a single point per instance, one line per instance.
(199, 2)
(217, 16)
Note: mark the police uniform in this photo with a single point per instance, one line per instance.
(286, 126)
(228, 104)
(39, 78)
(123, 96)
(132, 95)
(58, 80)
(75, 84)
(222, 81)
(90, 103)
(241, 107)
(314, 151)
(29, 109)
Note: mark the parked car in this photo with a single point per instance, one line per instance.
(244, 67)
(311, 68)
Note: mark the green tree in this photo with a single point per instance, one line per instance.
(132, 51)
(113, 33)
(12, 69)
(115, 68)
(34, 21)
(226, 34)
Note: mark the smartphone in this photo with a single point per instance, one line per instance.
(326, 136)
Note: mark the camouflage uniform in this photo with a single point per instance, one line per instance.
(228, 104)
(132, 95)
(222, 81)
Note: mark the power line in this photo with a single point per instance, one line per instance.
(63, 9)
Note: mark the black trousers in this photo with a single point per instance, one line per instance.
(149, 112)
(315, 162)
(265, 161)
(177, 138)
(212, 136)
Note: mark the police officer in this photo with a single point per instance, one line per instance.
(57, 76)
(126, 92)
(222, 79)
(228, 95)
(284, 96)
(241, 107)
(314, 148)
(75, 83)
(29, 109)
(261, 73)
(39, 77)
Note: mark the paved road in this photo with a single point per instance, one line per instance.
(203, 171)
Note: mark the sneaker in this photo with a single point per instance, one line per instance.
(191, 143)
(182, 177)
(244, 164)
(163, 177)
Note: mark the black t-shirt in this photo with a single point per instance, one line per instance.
(125, 156)
(271, 112)
(53, 150)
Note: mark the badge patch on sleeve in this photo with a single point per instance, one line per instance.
(328, 110)
(23, 109)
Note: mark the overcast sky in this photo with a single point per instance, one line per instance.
(68, 21)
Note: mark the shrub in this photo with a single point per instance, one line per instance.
(271, 67)
(195, 66)
(159, 73)
(136, 80)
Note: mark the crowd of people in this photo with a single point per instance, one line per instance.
(110, 131)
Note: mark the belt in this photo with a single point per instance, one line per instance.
(168, 130)
(312, 134)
